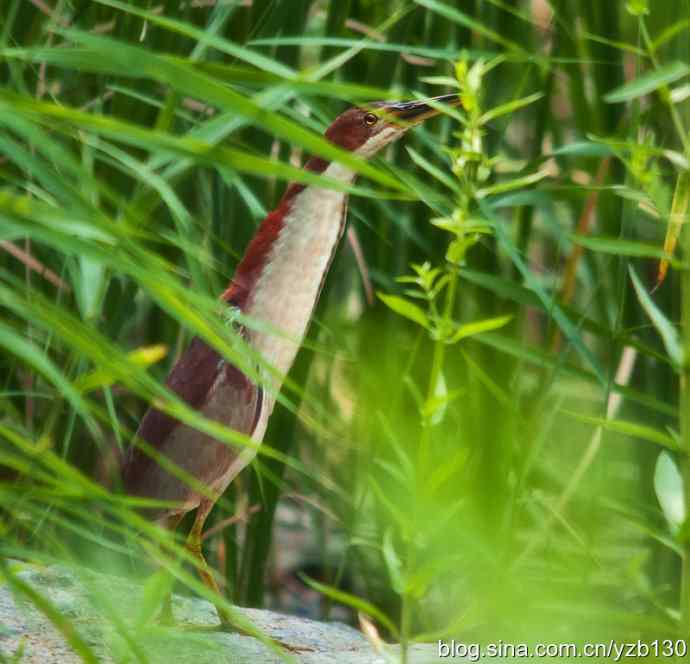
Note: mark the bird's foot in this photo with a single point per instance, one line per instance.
(226, 626)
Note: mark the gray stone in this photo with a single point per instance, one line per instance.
(88, 599)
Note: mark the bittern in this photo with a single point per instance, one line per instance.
(278, 282)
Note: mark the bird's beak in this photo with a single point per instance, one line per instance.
(417, 111)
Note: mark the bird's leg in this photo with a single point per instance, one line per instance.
(205, 574)
(227, 623)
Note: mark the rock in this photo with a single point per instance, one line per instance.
(88, 599)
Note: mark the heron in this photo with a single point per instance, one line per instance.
(277, 283)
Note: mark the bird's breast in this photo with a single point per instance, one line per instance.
(289, 285)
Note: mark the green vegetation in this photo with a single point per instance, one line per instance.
(496, 444)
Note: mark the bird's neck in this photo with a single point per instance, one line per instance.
(280, 277)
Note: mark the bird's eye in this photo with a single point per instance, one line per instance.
(370, 119)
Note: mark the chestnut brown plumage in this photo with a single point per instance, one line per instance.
(278, 283)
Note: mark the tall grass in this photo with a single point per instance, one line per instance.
(500, 438)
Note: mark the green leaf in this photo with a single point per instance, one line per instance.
(477, 327)
(89, 287)
(569, 330)
(584, 149)
(98, 378)
(434, 408)
(432, 170)
(187, 29)
(618, 247)
(511, 290)
(39, 361)
(511, 185)
(670, 32)
(445, 471)
(626, 428)
(363, 44)
(489, 384)
(153, 140)
(509, 107)
(504, 288)
(668, 486)
(390, 506)
(623, 46)
(648, 83)
(455, 253)
(154, 591)
(391, 435)
(457, 16)
(186, 79)
(535, 356)
(393, 563)
(405, 308)
(637, 7)
(669, 334)
(351, 600)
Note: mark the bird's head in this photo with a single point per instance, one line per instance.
(363, 131)
(367, 130)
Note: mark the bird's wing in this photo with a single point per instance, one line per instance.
(200, 377)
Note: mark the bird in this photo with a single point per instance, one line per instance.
(276, 283)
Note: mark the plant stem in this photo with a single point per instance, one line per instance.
(675, 116)
(436, 367)
(684, 406)
(405, 623)
(423, 460)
